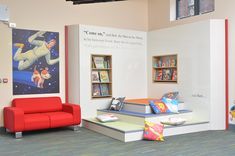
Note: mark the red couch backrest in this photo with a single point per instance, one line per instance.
(38, 105)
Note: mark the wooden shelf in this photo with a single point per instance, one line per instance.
(101, 68)
(165, 68)
(105, 96)
(101, 82)
(164, 80)
(101, 74)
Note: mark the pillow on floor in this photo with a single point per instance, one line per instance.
(106, 118)
(153, 131)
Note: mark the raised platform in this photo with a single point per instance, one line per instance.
(132, 117)
(126, 132)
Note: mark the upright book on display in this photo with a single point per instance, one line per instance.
(104, 76)
(98, 61)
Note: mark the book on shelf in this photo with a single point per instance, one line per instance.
(106, 62)
(98, 61)
(174, 75)
(95, 76)
(104, 76)
(159, 63)
(159, 75)
(166, 74)
(166, 61)
(104, 89)
(96, 90)
(173, 62)
(163, 62)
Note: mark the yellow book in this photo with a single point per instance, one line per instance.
(104, 76)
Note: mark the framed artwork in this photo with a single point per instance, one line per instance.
(35, 62)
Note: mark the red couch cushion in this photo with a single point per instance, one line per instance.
(38, 105)
(36, 121)
(59, 119)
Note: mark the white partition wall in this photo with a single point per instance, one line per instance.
(201, 67)
(217, 57)
(200, 49)
(128, 50)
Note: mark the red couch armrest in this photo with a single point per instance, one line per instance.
(75, 110)
(14, 119)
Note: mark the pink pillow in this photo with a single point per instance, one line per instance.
(153, 131)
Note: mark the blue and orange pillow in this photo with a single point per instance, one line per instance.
(158, 107)
(165, 106)
(171, 104)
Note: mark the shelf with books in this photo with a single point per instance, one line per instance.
(101, 82)
(165, 68)
(101, 76)
(101, 69)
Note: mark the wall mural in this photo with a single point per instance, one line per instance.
(35, 62)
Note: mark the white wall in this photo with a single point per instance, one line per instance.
(196, 45)
(217, 83)
(53, 15)
(128, 64)
(159, 17)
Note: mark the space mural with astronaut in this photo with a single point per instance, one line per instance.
(35, 57)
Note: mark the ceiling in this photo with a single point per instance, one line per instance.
(75, 2)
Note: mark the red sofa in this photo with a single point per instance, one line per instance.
(28, 114)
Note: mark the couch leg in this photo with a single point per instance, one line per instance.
(75, 128)
(7, 130)
(18, 135)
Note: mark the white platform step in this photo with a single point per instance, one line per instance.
(127, 132)
(119, 130)
(188, 127)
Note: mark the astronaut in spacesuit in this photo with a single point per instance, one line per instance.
(42, 48)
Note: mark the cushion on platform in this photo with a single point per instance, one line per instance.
(158, 107)
(171, 95)
(174, 121)
(153, 131)
(154, 107)
(117, 103)
(162, 107)
(171, 104)
(107, 118)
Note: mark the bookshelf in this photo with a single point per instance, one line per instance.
(165, 68)
(101, 76)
